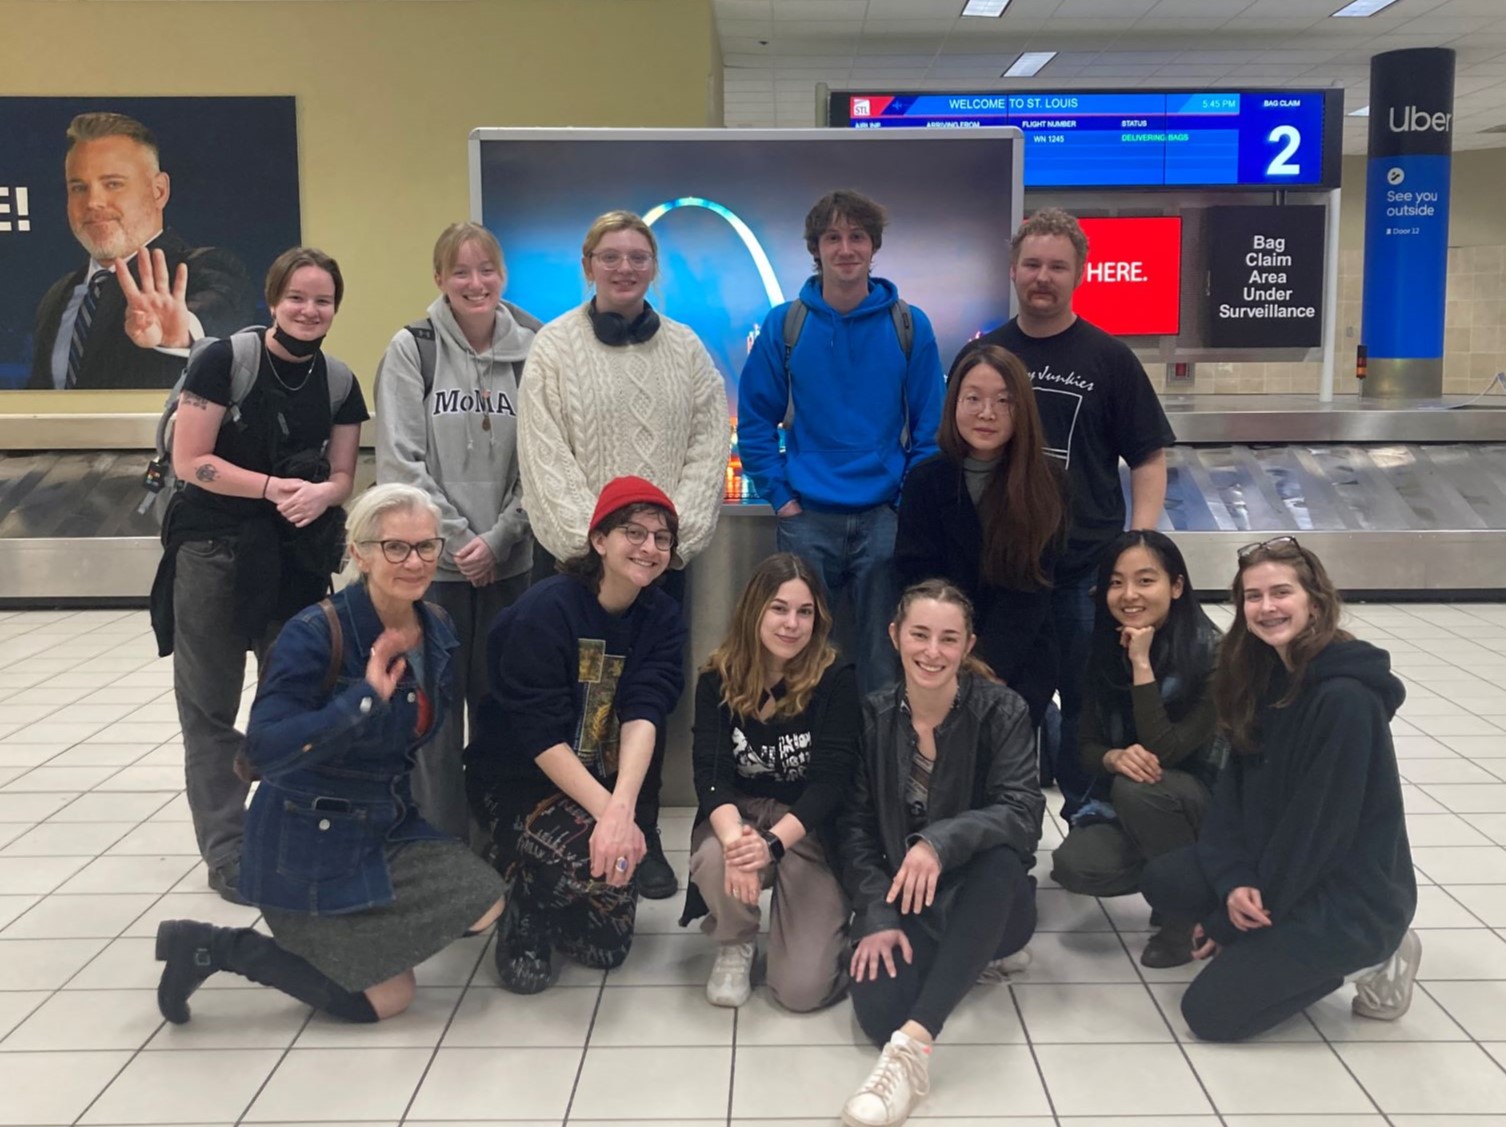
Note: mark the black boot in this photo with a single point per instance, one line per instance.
(1169, 947)
(656, 880)
(524, 965)
(192, 951)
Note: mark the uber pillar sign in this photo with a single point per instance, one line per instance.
(1265, 277)
(1406, 221)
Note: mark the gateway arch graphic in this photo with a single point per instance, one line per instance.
(744, 232)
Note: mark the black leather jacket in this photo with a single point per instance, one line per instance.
(985, 791)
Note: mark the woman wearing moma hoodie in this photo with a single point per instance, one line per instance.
(447, 395)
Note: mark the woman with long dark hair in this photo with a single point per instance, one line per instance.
(776, 735)
(937, 840)
(1302, 876)
(986, 514)
(585, 668)
(1147, 729)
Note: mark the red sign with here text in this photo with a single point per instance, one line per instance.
(1132, 284)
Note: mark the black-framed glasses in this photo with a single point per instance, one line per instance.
(664, 540)
(1275, 542)
(398, 551)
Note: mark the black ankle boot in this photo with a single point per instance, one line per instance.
(656, 880)
(187, 947)
(192, 951)
(523, 956)
(1169, 947)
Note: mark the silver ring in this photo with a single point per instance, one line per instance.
(622, 865)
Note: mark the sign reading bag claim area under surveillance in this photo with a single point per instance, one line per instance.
(1265, 277)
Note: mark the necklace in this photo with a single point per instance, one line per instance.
(286, 386)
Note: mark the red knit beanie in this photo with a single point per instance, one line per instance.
(623, 491)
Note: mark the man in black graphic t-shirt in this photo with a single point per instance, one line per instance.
(1097, 406)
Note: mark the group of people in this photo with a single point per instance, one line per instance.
(454, 740)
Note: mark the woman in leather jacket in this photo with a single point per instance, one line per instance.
(357, 888)
(936, 841)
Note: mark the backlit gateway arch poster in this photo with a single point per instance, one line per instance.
(728, 210)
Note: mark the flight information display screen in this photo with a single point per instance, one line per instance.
(1137, 139)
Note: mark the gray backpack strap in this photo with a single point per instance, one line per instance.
(245, 362)
(794, 321)
(904, 328)
(340, 379)
(428, 351)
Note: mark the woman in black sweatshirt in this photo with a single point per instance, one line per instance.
(776, 743)
(1302, 876)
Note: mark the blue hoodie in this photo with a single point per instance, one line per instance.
(852, 388)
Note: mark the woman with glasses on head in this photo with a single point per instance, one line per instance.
(356, 887)
(937, 840)
(447, 393)
(613, 388)
(776, 732)
(1302, 877)
(585, 668)
(986, 514)
(1148, 737)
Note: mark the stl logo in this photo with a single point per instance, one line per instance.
(861, 107)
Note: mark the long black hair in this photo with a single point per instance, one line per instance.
(1182, 653)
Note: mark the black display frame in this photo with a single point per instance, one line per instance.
(838, 116)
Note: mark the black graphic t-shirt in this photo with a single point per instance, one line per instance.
(777, 752)
(1097, 406)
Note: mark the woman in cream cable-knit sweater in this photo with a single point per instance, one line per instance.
(615, 389)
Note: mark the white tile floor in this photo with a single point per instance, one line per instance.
(95, 848)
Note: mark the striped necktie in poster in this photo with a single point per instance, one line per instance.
(82, 324)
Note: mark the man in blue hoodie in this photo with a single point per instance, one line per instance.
(859, 396)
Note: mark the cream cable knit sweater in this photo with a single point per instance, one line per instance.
(589, 412)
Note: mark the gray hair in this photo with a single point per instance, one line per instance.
(364, 521)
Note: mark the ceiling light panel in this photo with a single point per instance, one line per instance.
(1028, 64)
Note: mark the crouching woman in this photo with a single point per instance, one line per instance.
(357, 888)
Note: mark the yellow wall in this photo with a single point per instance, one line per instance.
(388, 93)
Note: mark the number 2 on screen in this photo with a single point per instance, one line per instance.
(1292, 139)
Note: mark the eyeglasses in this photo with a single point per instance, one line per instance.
(664, 540)
(398, 551)
(611, 259)
(972, 403)
(1275, 543)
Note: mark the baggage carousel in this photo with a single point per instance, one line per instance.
(1400, 500)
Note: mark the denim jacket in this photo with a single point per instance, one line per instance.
(336, 767)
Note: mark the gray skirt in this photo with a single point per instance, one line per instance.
(440, 887)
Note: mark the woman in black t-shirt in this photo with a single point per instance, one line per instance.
(257, 530)
(777, 723)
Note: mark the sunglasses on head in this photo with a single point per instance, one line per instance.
(1274, 544)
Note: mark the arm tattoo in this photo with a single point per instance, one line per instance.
(189, 399)
(206, 473)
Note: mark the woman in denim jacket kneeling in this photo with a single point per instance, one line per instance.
(355, 885)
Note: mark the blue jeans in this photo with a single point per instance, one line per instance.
(1072, 607)
(853, 552)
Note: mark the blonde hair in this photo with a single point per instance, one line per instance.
(739, 659)
(364, 521)
(455, 236)
(605, 224)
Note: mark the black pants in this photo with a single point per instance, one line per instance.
(990, 913)
(1251, 985)
(646, 813)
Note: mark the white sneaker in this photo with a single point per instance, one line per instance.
(1385, 992)
(731, 980)
(999, 970)
(899, 1080)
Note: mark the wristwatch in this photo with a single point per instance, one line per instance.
(776, 847)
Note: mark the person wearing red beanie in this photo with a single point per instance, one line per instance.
(585, 668)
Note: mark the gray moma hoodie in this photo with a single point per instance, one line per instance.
(459, 442)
